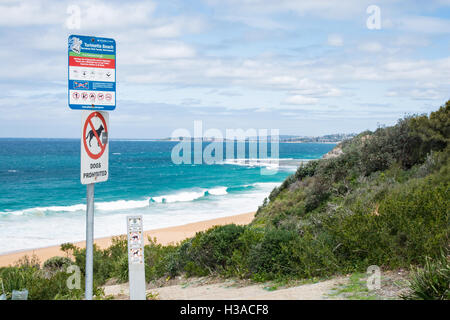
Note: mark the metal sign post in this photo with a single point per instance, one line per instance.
(89, 241)
(94, 168)
(92, 86)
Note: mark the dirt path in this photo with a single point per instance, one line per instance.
(352, 286)
(196, 290)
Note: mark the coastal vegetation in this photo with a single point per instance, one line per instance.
(382, 200)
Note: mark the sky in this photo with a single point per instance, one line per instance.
(304, 67)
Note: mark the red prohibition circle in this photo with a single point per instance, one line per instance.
(89, 122)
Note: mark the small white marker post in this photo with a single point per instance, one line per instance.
(136, 267)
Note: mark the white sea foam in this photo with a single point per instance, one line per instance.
(178, 197)
(189, 195)
(34, 230)
(102, 206)
(219, 191)
(254, 162)
(289, 164)
(106, 206)
(44, 210)
(121, 205)
(266, 185)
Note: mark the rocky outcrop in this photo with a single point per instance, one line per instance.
(335, 152)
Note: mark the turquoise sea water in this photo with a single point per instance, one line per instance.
(42, 202)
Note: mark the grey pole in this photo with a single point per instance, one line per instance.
(89, 240)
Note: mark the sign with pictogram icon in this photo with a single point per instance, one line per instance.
(136, 266)
(92, 73)
(92, 87)
(94, 147)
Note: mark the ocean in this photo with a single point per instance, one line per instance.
(42, 201)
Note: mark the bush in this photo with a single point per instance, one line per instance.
(313, 255)
(432, 282)
(158, 260)
(108, 263)
(211, 251)
(410, 222)
(270, 257)
(241, 259)
(56, 264)
(39, 285)
(317, 194)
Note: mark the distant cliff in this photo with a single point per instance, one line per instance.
(335, 152)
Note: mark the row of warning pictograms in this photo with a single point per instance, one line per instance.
(91, 96)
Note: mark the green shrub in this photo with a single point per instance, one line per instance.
(55, 264)
(108, 263)
(120, 271)
(306, 170)
(30, 262)
(312, 255)
(317, 194)
(432, 282)
(240, 264)
(212, 250)
(40, 286)
(157, 259)
(411, 221)
(270, 257)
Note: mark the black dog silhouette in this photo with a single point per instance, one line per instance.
(91, 134)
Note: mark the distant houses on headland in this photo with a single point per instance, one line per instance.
(330, 138)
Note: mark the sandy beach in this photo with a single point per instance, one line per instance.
(163, 236)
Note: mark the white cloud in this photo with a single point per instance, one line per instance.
(411, 41)
(330, 9)
(425, 94)
(333, 92)
(140, 54)
(392, 94)
(254, 21)
(95, 15)
(154, 54)
(335, 40)
(423, 24)
(175, 27)
(300, 100)
(31, 13)
(371, 47)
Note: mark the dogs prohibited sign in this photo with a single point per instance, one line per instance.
(94, 147)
